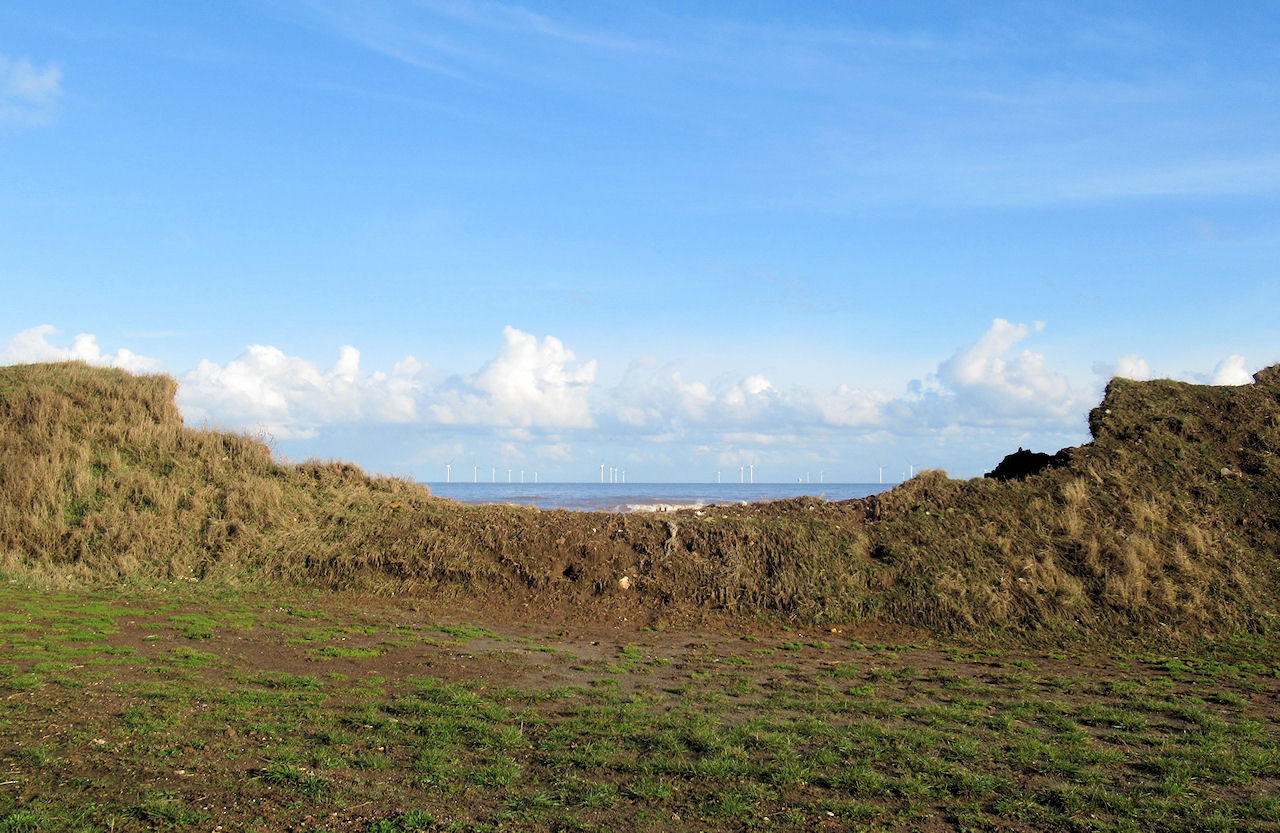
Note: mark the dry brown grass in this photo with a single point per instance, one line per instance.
(1142, 533)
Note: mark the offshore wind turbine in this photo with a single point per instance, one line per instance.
(448, 472)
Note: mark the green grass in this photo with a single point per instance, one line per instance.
(675, 734)
(332, 651)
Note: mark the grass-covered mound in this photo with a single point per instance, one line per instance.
(1169, 520)
(1167, 523)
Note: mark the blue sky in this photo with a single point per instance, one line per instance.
(673, 238)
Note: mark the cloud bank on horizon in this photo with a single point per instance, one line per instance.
(767, 233)
(536, 401)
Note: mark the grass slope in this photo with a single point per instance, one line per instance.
(1166, 524)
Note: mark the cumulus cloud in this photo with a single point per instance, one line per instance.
(556, 452)
(529, 384)
(848, 407)
(652, 396)
(1231, 371)
(28, 94)
(290, 397)
(1126, 367)
(536, 401)
(986, 383)
(983, 384)
(33, 346)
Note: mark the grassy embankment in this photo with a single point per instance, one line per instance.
(1167, 524)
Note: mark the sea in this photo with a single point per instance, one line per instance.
(645, 497)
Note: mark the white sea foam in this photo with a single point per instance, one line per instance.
(660, 507)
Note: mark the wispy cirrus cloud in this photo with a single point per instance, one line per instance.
(459, 39)
(515, 18)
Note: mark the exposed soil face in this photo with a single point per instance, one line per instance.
(339, 712)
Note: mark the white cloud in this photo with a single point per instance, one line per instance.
(753, 396)
(757, 438)
(529, 384)
(33, 346)
(847, 407)
(652, 397)
(741, 457)
(290, 396)
(28, 94)
(1128, 366)
(1230, 371)
(982, 385)
(557, 452)
(535, 401)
